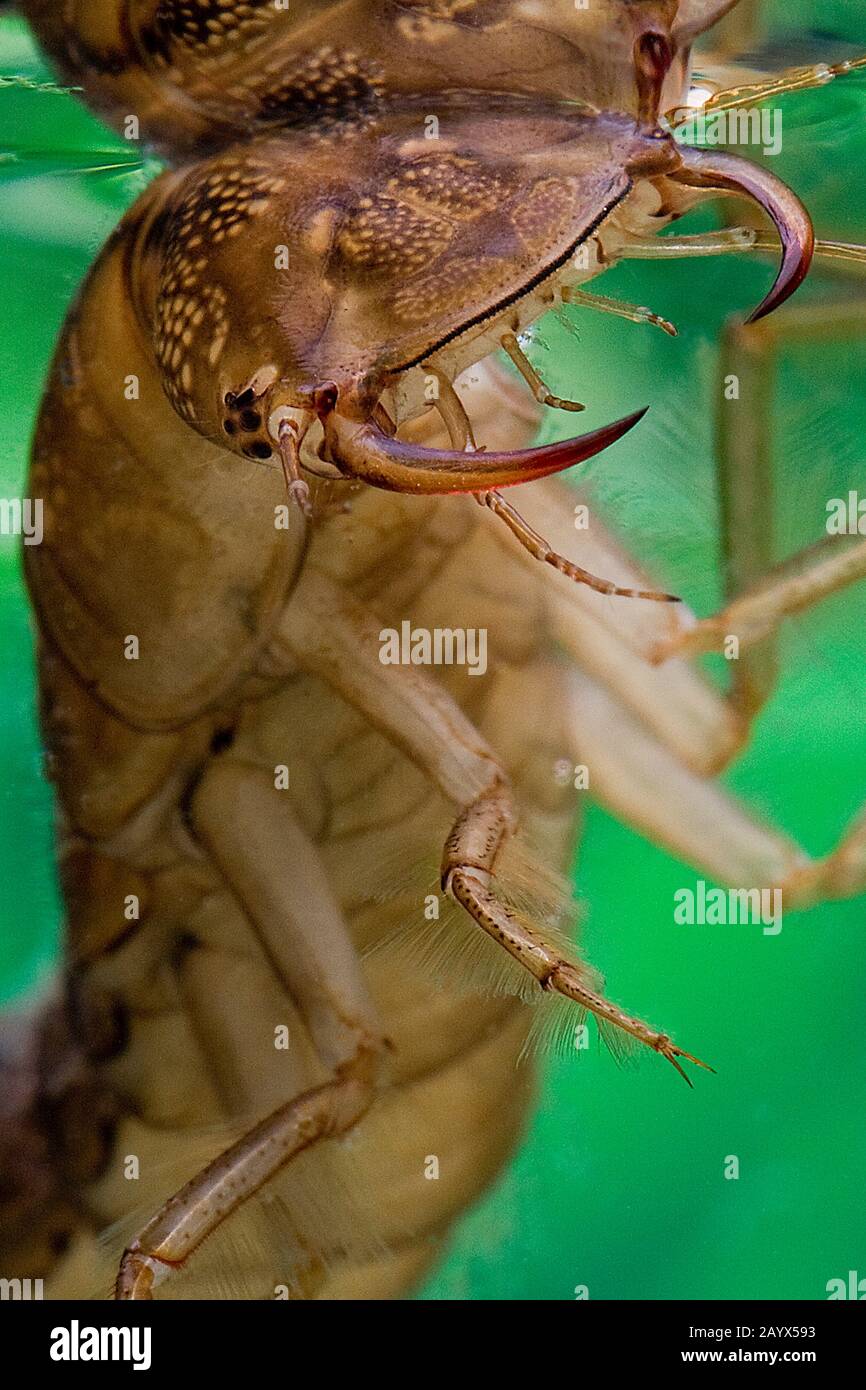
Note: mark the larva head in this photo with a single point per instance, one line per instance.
(302, 275)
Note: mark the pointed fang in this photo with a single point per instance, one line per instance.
(729, 173)
(361, 449)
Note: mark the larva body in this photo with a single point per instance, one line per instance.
(250, 797)
(164, 1002)
(198, 997)
(179, 1006)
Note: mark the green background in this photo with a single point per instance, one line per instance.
(620, 1182)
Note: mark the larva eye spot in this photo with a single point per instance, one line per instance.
(244, 428)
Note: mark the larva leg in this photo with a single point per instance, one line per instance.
(633, 775)
(726, 242)
(745, 468)
(760, 595)
(327, 634)
(792, 80)
(650, 749)
(459, 428)
(731, 240)
(846, 251)
(537, 386)
(634, 313)
(453, 414)
(468, 863)
(193, 1213)
(539, 549)
(611, 641)
(755, 615)
(275, 872)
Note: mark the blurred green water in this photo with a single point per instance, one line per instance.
(619, 1185)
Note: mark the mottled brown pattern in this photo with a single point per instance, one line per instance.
(199, 75)
(362, 202)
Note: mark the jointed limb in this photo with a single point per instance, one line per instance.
(538, 388)
(192, 1214)
(467, 866)
(645, 785)
(726, 242)
(745, 481)
(636, 778)
(611, 642)
(538, 547)
(327, 634)
(275, 872)
(798, 584)
(459, 428)
(453, 414)
(847, 252)
(761, 594)
(650, 748)
(634, 313)
(792, 80)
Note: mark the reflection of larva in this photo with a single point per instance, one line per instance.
(251, 800)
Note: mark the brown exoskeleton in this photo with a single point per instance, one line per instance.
(199, 75)
(249, 794)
